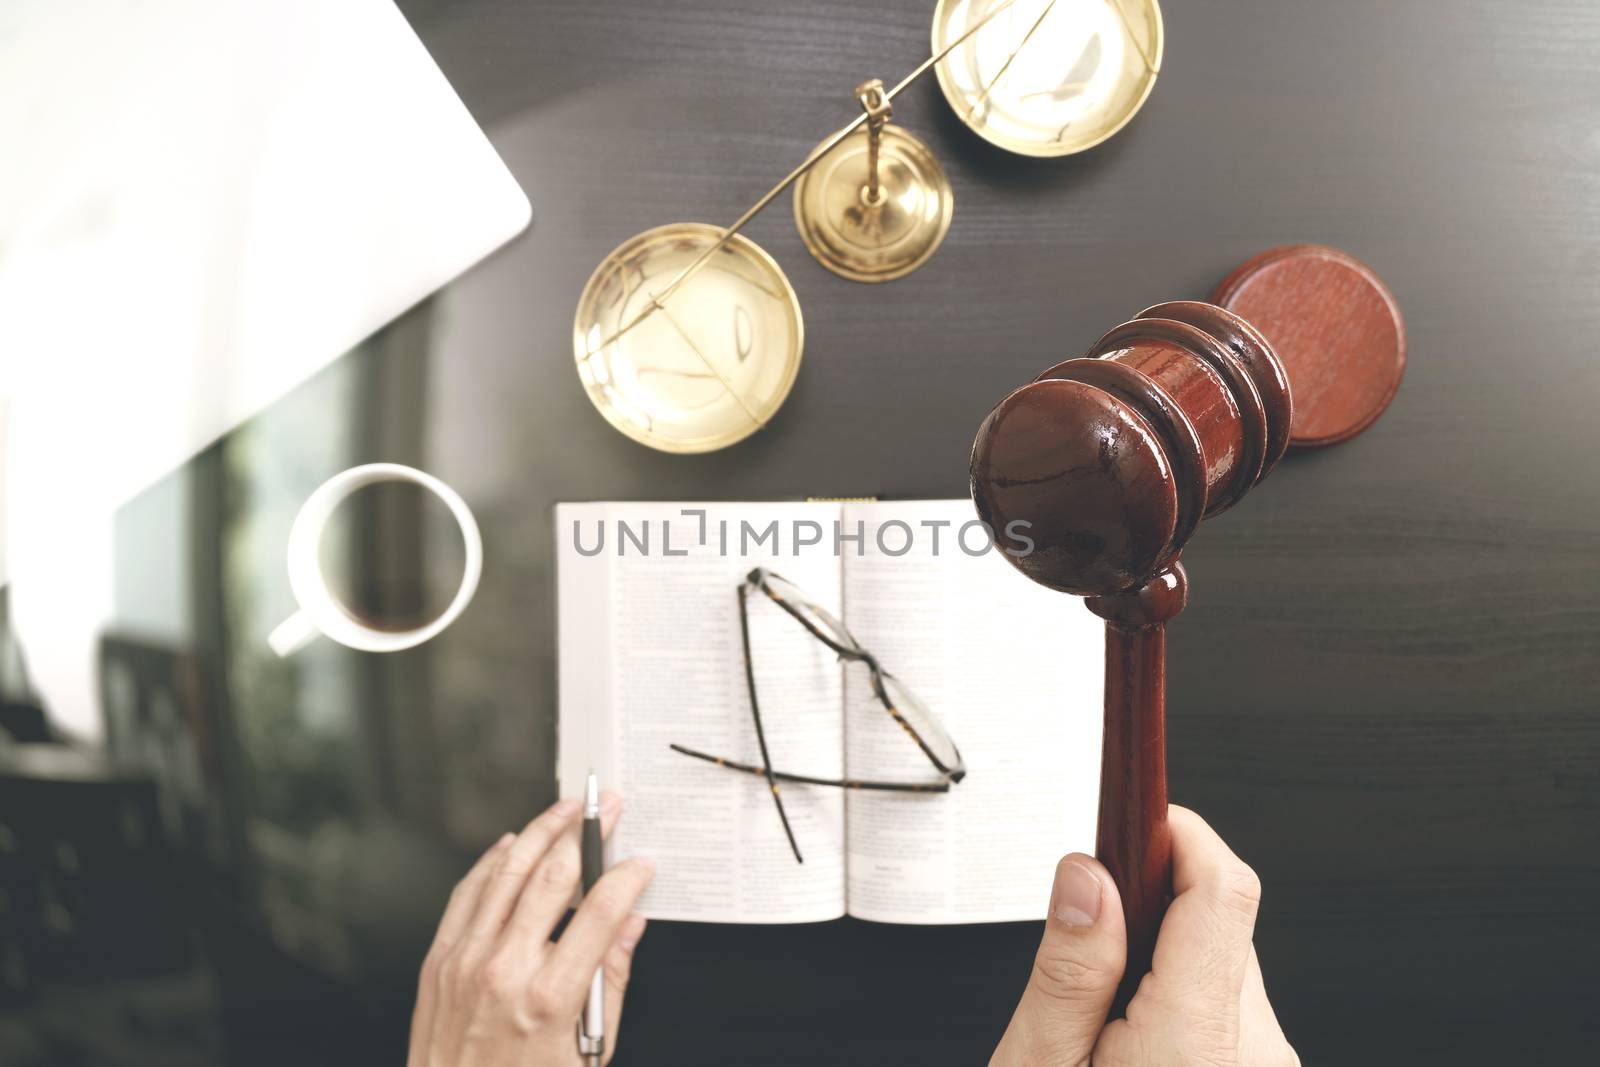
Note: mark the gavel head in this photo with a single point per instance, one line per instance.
(1107, 463)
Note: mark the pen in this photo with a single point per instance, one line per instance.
(592, 1027)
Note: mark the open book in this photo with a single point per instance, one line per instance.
(651, 655)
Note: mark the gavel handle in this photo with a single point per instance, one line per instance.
(1133, 839)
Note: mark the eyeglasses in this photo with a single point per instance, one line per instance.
(901, 704)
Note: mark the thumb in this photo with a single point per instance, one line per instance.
(1075, 973)
(617, 967)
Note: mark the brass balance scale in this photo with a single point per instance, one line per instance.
(688, 336)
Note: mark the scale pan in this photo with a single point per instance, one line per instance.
(707, 368)
(1049, 77)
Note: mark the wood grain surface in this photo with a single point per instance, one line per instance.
(1383, 692)
(1337, 329)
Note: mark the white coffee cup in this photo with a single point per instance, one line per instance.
(320, 610)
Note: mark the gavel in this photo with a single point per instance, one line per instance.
(1111, 460)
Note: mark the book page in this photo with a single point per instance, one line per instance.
(1014, 671)
(651, 655)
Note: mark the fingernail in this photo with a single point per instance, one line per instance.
(1076, 897)
(632, 931)
(565, 807)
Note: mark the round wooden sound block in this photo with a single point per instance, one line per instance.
(1335, 326)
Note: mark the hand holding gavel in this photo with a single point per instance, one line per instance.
(1111, 460)
(1205, 1000)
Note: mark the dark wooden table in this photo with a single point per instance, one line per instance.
(1383, 693)
(1386, 691)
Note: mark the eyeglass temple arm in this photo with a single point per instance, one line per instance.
(755, 714)
(805, 779)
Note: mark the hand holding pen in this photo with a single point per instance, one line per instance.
(495, 990)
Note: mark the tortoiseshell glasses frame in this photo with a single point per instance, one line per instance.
(912, 715)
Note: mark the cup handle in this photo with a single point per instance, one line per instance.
(292, 634)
